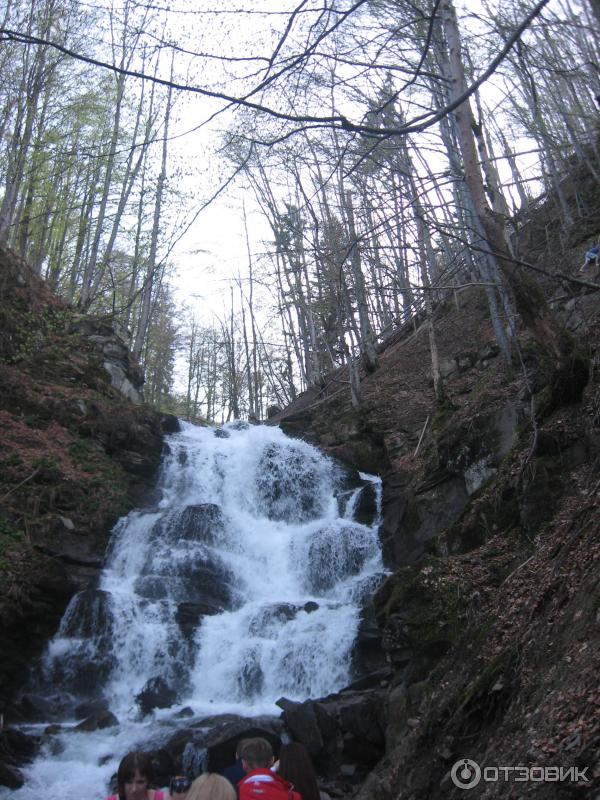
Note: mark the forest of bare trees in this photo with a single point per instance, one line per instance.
(394, 149)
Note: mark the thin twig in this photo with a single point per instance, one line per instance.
(421, 437)
(14, 488)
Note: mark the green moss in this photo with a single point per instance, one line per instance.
(13, 460)
(429, 603)
(8, 531)
(45, 462)
(481, 383)
(35, 421)
(485, 697)
(364, 456)
(442, 417)
(83, 450)
(9, 538)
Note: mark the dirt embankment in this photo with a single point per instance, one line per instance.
(75, 453)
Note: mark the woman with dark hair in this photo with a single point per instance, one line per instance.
(135, 776)
(296, 767)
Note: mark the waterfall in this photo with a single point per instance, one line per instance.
(243, 584)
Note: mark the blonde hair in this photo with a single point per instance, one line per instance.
(210, 786)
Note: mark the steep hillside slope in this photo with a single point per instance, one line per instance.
(491, 616)
(75, 452)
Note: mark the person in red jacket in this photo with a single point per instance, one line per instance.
(260, 782)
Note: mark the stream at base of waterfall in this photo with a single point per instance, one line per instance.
(243, 584)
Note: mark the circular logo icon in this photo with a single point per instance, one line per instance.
(465, 773)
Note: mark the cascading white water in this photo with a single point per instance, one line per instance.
(244, 584)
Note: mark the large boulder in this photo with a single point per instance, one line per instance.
(348, 727)
(156, 694)
(200, 523)
(335, 554)
(368, 655)
(311, 724)
(10, 776)
(85, 666)
(16, 749)
(288, 486)
(97, 722)
(212, 741)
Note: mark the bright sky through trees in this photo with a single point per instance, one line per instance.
(296, 169)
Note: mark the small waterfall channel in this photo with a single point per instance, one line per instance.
(243, 584)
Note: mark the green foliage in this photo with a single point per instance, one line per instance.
(35, 421)
(8, 531)
(45, 463)
(83, 450)
(34, 330)
(428, 599)
(13, 460)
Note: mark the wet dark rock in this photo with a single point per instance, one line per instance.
(10, 776)
(374, 680)
(277, 614)
(184, 713)
(17, 746)
(302, 721)
(136, 463)
(272, 411)
(202, 580)
(16, 749)
(169, 424)
(330, 558)
(189, 616)
(156, 694)
(361, 714)
(200, 523)
(152, 587)
(251, 678)
(52, 730)
(28, 623)
(310, 606)
(33, 707)
(426, 515)
(84, 669)
(288, 483)
(368, 654)
(239, 425)
(98, 722)
(218, 737)
(90, 612)
(365, 510)
(220, 433)
(350, 724)
(90, 708)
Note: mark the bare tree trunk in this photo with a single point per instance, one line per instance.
(529, 297)
(438, 384)
(152, 265)
(367, 344)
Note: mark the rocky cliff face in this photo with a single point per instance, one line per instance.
(490, 617)
(76, 450)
